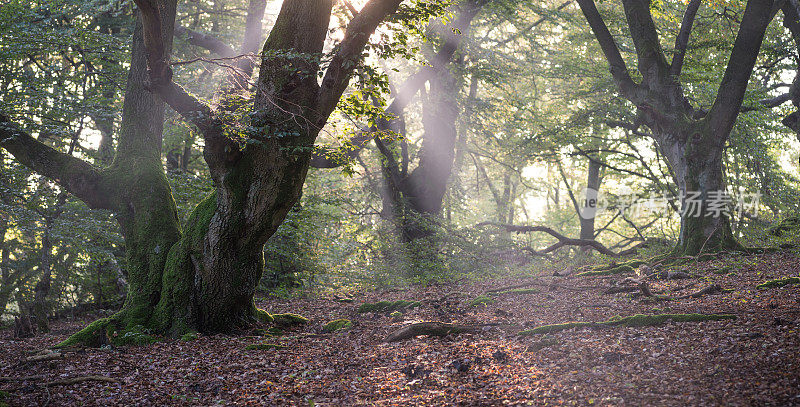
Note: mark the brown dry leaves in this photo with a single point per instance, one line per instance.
(749, 361)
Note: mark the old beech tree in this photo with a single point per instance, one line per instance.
(691, 138)
(203, 277)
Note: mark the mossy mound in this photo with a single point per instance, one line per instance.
(191, 336)
(264, 346)
(638, 320)
(779, 282)
(337, 324)
(388, 306)
(482, 300)
(289, 319)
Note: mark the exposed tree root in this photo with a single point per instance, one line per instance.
(631, 321)
(779, 282)
(428, 328)
(514, 291)
(614, 268)
(288, 320)
(387, 306)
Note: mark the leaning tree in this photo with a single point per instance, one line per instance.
(204, 276)
(691, 138)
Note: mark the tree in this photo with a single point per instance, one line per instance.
(691, 138)
(204, 276)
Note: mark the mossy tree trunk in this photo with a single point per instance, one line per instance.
(204, 277)
(692, 139)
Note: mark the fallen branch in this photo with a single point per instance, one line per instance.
(428, 328)
(81, 379)
(43, 357)
(562, 240)
(20, 378)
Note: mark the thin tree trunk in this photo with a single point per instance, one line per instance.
(589, 205)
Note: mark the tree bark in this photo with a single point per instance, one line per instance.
(589, 208)
(691, 139)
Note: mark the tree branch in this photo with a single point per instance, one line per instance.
(73, 174)
(205, 41)
(723, 113)
(682, 40)
(562, 240)
(619, 71)
(160, 73)
(350, 51)
(651, 61)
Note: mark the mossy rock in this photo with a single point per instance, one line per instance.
(191, 336)
(387, 306)
(264, 346)
(337, 324)
(482, 300)
(779, 282)
(289, 320)
(638, 320)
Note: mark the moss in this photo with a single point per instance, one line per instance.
(779, 282)
(188, 337)
(482, 300)
(264, 346)
(135, 336)
(337, 324)
(609, 271)
(516, 291)
(264, 316)
(93, 335)
(289, 320)
(396, 316)
(387, 306)
(638, 320)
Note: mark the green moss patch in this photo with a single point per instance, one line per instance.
(387, 306)
(188, 337)
(628, 267)
(779, 282)
(337, 324)
(482, 300)
(638, 320)
(289, 319)
(264, 346)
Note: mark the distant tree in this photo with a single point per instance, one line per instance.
(691, 138)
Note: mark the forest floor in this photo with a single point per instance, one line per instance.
(751, 360)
